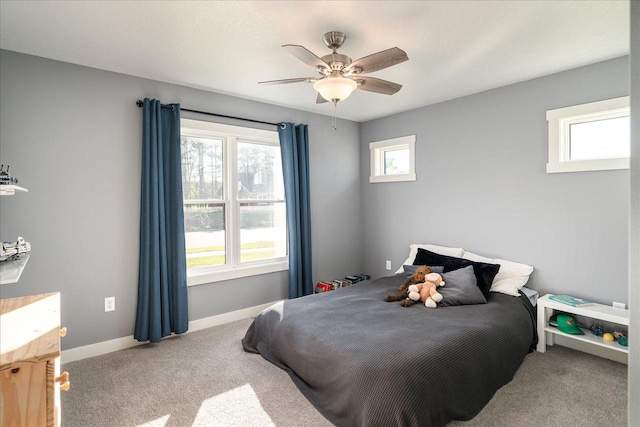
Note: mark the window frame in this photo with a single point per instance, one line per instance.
(231, 136)
(376, 154)
(559, 121)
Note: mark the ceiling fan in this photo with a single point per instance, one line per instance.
(339, 76)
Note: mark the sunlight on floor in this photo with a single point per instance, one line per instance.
(160, 422)
(237, 407)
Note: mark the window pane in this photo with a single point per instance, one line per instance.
(204, 234)
(263, 231)
(259, 172)
(202, 168)
(601, 139)
(396, 161)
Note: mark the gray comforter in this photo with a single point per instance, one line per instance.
(362, 361)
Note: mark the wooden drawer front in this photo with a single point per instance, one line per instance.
(24, 398)
(29, 329)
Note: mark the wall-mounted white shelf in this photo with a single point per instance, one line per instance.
(10, 190)
(11, 270)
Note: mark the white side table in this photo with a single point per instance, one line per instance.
(603, 312)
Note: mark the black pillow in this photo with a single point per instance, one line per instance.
(409, 270)
(484, 272)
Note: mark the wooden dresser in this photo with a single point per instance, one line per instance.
(30, 361)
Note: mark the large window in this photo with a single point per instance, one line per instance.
(234, 207)
(587, 137)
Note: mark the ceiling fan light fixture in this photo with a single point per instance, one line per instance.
(335, 89)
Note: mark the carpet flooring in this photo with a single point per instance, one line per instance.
(205, 378)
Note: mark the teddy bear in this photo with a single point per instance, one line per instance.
(402, 293)
(427, 292)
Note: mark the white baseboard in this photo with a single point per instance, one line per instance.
(105, 347)
(221, 319)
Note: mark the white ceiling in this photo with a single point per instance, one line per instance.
(455, 48)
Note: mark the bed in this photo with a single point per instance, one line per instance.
(362, 361)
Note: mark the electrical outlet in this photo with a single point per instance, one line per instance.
(110, 304)
(619, 304)
(388, 265)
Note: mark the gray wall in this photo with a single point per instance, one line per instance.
(482, 185)
(72, 136)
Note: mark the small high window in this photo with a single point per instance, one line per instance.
(393, 159)
(588, 137)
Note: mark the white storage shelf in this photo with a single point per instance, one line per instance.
(601, 312)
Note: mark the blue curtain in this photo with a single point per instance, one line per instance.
(294, 146)
(162, 276)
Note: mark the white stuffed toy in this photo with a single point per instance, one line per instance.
(427, 292)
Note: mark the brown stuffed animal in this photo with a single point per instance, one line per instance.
(427, 292)
(403, 289)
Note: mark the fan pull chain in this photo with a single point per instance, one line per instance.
(334, 125)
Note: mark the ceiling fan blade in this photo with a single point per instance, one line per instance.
(306, 56)
(320, 100)
(296, 80)
(377, 61)
(373, 84)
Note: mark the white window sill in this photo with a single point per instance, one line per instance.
(393, 178)
(588, 165)
(210, 275)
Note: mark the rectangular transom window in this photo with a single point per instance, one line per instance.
(234, 206)
(393, 159)
(588, 137)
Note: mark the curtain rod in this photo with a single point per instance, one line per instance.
(139, 103)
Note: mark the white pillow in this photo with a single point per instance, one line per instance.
(510, 278)
(442, 250)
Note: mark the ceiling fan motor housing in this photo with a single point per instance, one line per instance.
(337, 61)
